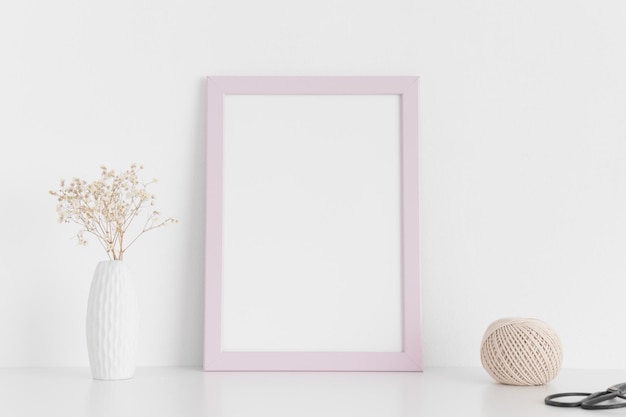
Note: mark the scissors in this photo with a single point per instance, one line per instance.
(591, 401)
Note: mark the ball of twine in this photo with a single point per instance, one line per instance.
(521, 351)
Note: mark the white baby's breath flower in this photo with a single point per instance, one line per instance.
(107, 207)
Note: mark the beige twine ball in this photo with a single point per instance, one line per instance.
(520, 351)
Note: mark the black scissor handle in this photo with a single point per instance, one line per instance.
(588, 401)
(594, 401)
(549, 400)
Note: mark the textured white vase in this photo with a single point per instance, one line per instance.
(112, 322)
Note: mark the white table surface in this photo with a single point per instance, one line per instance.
(189, 392)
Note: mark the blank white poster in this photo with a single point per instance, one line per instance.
(312, 224)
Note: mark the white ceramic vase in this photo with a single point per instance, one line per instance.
(112, 322)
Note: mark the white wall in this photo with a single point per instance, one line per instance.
(523, 156)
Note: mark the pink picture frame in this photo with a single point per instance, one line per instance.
(408, 356)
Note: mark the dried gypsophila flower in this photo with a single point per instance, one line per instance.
(107, 207)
